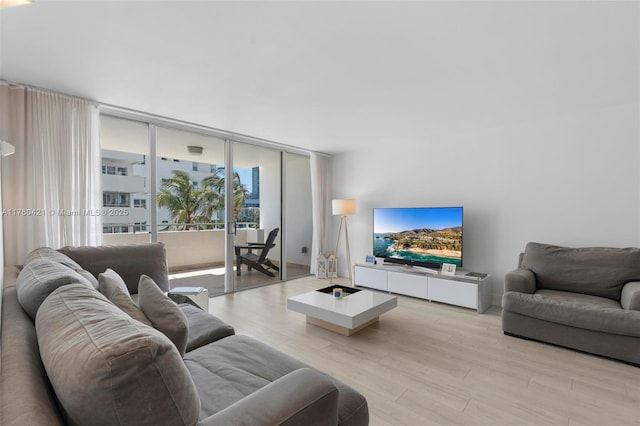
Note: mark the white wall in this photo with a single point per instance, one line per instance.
(533, 127)
(270, 199)
(570, 180)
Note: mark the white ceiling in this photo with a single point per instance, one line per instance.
(330, 76)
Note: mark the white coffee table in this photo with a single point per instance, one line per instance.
(346, 316)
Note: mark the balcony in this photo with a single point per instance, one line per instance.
(124, 215)
(127, 184)
(196, 258)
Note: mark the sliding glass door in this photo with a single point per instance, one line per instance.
(216, 203)
(298, 221)
(257, 213)
(189, 205)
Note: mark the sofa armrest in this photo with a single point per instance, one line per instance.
(26, 394)
(304, 396)
(521, 281)
(630, 297)
(10, 276)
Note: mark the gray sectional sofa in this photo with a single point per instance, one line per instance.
(72, 353)
(581, 298)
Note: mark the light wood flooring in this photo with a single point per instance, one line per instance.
(434, 364)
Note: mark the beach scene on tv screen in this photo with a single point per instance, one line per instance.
(429, 235)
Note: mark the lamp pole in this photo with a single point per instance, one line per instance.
(343, 208)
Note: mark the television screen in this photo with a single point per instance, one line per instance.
(427, 236)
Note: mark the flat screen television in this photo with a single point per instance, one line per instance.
(418, 236)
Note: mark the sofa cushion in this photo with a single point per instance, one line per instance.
(128, 260)
(226, 371)
(163, 313)
(597, 271)
(39, 278)
(115, 290)
(56, 256)
(53, 255)
(576, 310)
(108, 369)
(204, 328)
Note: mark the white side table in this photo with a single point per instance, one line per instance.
(199, 295)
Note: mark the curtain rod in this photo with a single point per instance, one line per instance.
(29, 86)
(210, 131)
(185, 125)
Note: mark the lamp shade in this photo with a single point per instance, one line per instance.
(343, 207)
(9, 3)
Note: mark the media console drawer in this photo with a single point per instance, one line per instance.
(370, 277)
(411, 285)
(453, 292)
(459, 290)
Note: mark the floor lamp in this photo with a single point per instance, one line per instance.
(343, 208)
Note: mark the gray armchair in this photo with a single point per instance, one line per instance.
(581, 298)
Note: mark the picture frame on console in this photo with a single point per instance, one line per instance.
(448, 269)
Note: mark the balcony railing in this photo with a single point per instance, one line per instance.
(135, 228)
(190, 249)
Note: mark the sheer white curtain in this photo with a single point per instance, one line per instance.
(321, 206)
(51, 185)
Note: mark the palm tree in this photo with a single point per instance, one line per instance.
(215, 184)
(213, 197)
(185, 202)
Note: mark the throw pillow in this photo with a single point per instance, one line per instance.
(163, 313)
(39, 278)
(113, 280)
(114, 289)
(89, 277)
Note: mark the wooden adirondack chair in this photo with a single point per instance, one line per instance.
(257, 261)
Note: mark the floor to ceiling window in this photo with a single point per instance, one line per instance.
(297, 214)
(190, 207)
(207, 198)
(125, 173)
(257, 213)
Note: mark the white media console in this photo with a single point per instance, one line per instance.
(459, 289)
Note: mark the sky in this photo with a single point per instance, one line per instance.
(245, 177)
(402, 219)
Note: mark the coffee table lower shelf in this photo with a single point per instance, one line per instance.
(338, 328)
